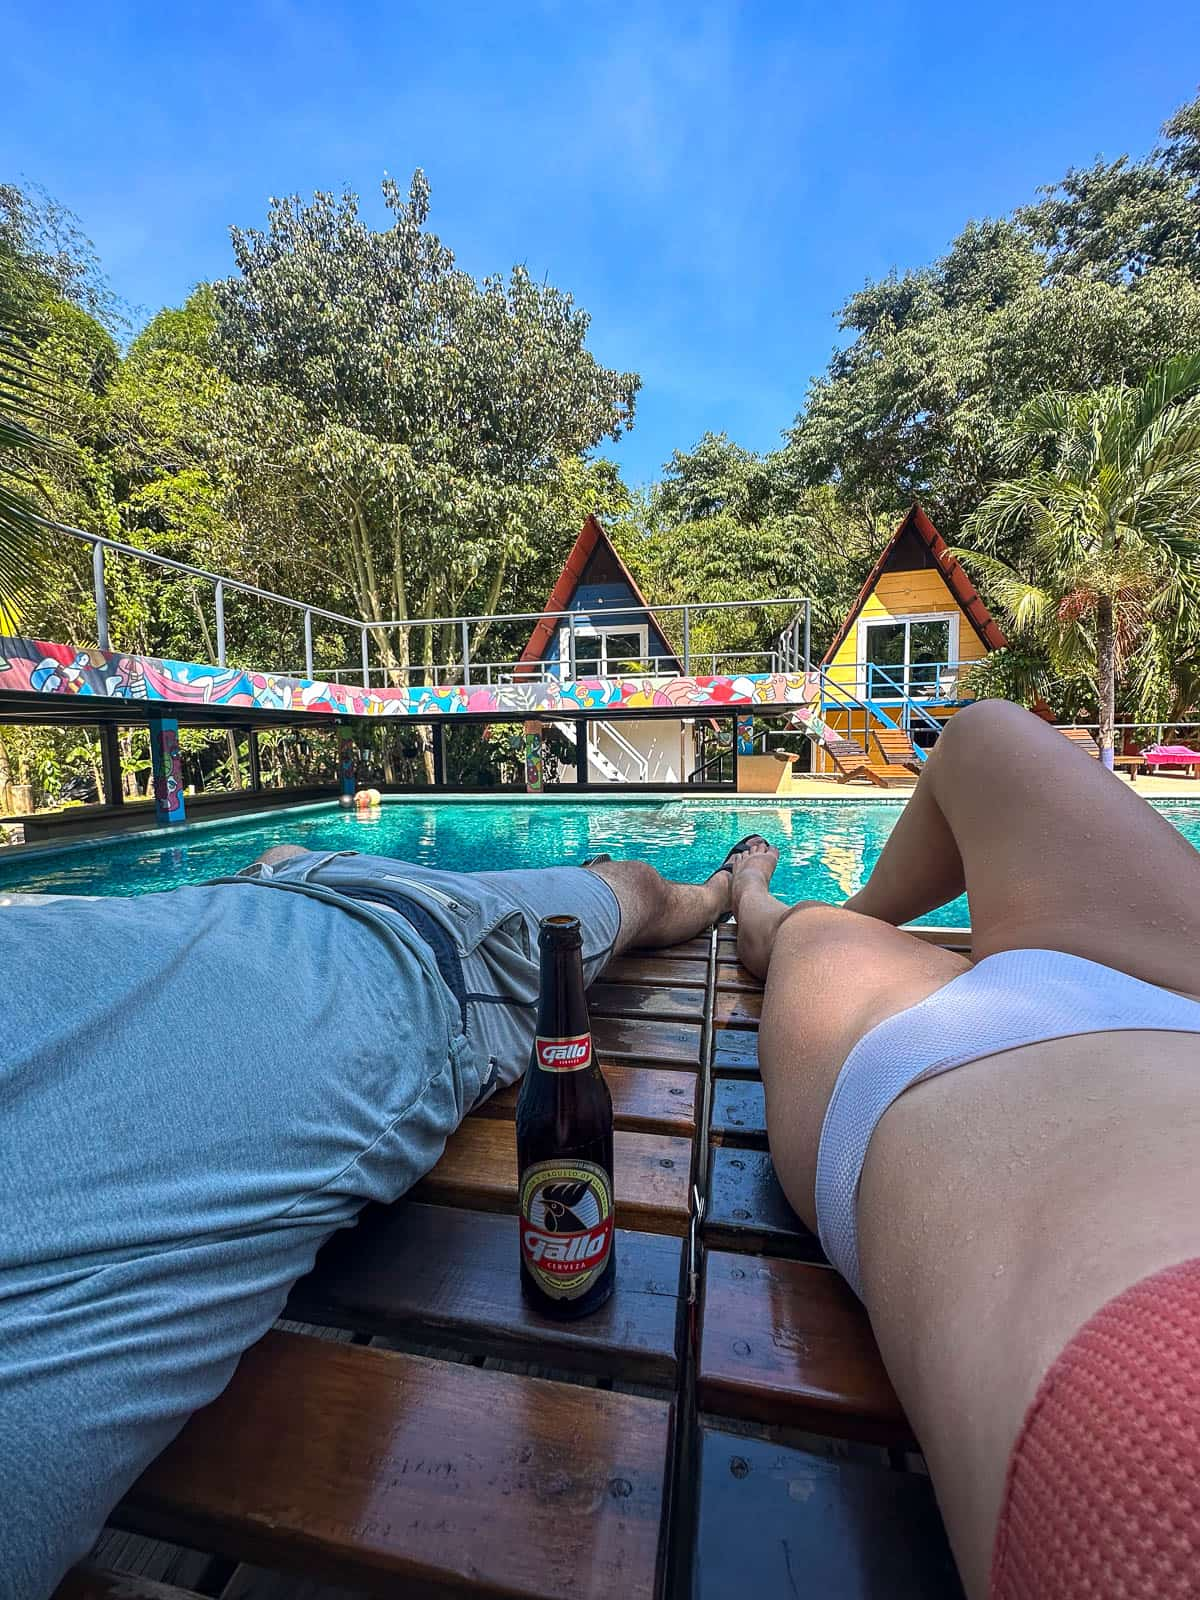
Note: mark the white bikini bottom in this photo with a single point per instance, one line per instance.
(1015, 998)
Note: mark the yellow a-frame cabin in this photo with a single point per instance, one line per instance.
(901, 655)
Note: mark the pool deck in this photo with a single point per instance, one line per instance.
(804, 787)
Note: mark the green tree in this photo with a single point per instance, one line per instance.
(48, 276)
(1104, 491)
(414, 418)
(726, 524)
(1096, 283)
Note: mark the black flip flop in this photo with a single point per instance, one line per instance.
(740, 849)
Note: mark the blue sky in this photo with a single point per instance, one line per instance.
(709, 180)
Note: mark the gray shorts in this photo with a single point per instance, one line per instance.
(491, 921)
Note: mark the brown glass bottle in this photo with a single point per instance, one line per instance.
(565, 1143)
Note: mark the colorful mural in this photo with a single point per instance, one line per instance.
(745, 736)
(168, 771)
(39, 667)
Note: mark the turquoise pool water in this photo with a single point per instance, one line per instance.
(826, 849)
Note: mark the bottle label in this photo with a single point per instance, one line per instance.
(566, 1225)
(564, 1055)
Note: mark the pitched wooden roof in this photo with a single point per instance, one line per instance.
(591, 535)
(916, 522)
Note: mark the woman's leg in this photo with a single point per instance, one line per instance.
(1053, 852)
(993, 1222)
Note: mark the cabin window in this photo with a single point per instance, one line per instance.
(602, 652)
(908, 657)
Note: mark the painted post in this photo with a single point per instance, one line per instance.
(110, 764)
(168, 770)
(745, 736)
(347, 758)
(533, 758)
(255, 763)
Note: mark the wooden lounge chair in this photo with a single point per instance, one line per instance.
(391, 1471)
(897, 749)
(852, 761)
(1083, 738)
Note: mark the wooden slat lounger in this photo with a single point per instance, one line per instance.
(852, 761)
(384, 1470)
(896, 749)
(1082, 738)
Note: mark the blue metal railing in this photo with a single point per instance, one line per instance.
(936, 681)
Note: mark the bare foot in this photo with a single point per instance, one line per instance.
(752, 870)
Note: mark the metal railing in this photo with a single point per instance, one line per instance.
(790, 652)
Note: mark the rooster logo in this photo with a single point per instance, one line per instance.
(565, 1208)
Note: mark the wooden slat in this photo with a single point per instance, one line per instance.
(739, 1112)
(668, 968)
(782, 1524)
(94, 1583)
(437, 1274)
(479, 1171)
(747, 1210)
(416, 1477)
(956, 939)
(735, 1052)
(666, 1044)
(787, 1343)
(737, 1010)
(646, 1000)
(697, 947)
(732, 975)
(645, 1099)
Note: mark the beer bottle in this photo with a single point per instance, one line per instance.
(565, 1143)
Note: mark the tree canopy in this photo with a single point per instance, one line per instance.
(351, 417)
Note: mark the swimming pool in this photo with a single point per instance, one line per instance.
(827, 848)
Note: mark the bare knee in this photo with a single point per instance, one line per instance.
(277, 853)
(640, 888)
(985, 731)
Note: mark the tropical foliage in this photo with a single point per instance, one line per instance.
(352, 417)
(1103, 506)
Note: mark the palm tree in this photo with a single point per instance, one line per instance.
(1104, 493)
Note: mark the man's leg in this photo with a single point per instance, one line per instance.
(658, 912)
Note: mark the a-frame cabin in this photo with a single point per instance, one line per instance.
(905, 647)
(609, 630)
(614, 628)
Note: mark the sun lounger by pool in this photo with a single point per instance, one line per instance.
(1171, 756)
(456, 1471)
(1083, 739)
(897, 749)
(852, 761)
